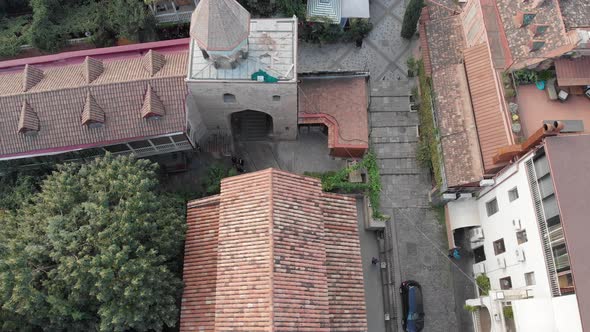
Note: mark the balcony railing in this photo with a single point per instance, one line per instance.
(178, 17)
(562, 261)
(556, 235)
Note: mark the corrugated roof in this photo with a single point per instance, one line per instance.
(273, 252)
(490, 118)
(571, 72)
(59, 97)
(219, 25)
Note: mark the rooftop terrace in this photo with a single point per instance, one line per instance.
(272, 47)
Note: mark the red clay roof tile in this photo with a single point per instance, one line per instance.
(273, 252)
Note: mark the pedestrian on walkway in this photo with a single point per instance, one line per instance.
(375, 260)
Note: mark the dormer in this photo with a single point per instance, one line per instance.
(92, 69)
(92, 115)
(152, 108)
(31, 77)
(536, 45)
(28, 121)
(153, 61)
(538, 29)
(523, 19)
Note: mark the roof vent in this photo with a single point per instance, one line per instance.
(538, 29)
(536, 45)
(31, 76)
(522, 19)
(152, 107)
(93, 68)
(93, 114)
(28, 122)
(153, 61)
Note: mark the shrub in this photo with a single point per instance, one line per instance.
(292, 7)
(525, 76)
(470, 308)
(508, 313)
(483, 283)
(411, 17)
(215, 174)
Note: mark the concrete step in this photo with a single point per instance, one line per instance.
(388, 132)
(395, 150)
(390, 88)
(393, 119)
(389, 104)
(399, 166)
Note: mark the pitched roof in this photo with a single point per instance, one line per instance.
(153, 61)
(572, 72)
(152, 105)
(273, 252)
(60, 99)
(490, 116)
(31, 76)
(28, 120)
(92, 69)
(461, 152)
(219, 25)
(575, 13)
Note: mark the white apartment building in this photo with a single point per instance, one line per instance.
(527, 232)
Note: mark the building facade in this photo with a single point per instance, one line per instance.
(518, 232)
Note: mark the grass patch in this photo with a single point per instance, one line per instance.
(338, 181)
(439, 211)
(428, 155)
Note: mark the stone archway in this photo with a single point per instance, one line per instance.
(250, 125)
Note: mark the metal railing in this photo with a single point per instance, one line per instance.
(178, 17)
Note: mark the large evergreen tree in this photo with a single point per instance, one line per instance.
(97, 248)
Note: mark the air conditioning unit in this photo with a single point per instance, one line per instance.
(465, 195)
(501, 262)
(517, 224)
(450, 196)
(477, 234)
(486, 182)
(519, 253)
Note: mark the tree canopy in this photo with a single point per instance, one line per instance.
(96, 248)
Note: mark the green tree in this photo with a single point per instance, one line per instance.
(97, 248)
(128, 17)
(411, 17)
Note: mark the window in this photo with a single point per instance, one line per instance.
(513, 194)
(529, 278)
(479, 254)
(140, 144)
(499, 247)
(229, 98)
(161, 140)
(521, 236)
(276, 98)
(492, 207)
(506, 283)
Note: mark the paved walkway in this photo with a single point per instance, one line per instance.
(383, 52)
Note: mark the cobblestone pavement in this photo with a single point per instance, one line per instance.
(416, 244)
(383, 52)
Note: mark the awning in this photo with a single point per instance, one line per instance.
(572, 72)
(324, 10)
(355, 8)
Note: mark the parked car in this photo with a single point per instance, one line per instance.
(413, 310)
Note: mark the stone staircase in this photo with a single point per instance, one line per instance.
(254, 126)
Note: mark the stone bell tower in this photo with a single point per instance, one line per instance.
(220, 29)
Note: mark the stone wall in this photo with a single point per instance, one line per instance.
(215, 112)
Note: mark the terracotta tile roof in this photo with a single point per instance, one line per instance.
(59, 96)
(493, 127)
(31, 76)
(572, 72)
(519, 38)
(424, 49)
(575, 13)
(273, 252)
(153, 61)
(28, 120)
(446, 41)
(341, 104)
(456, 124)
(219, 25)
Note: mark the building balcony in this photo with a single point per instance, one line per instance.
(556, 235)
(562, 262)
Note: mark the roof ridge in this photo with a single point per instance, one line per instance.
(153, 61)
(92, 112)
(28, 119)
(152, 104)
(31, 76)
(92, 68)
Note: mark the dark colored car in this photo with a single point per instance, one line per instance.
(413, 310)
